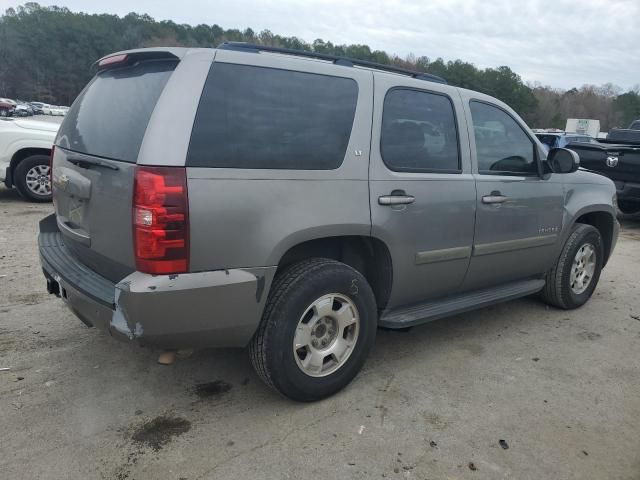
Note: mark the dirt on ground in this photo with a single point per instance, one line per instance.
(518, 390)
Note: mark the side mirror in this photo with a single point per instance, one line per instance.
(563, 160)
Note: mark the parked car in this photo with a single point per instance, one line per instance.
(58, 111)
(25, 151)
(37, 107)
(6, 107)
(618, 158)
(23, 109)
(562, 139)
(293, 202)
(46, 109)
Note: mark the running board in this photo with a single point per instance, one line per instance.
(433, 310)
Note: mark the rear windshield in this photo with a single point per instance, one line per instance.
(110, 116)
(256, 117)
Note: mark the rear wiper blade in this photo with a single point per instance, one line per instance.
(85, 162)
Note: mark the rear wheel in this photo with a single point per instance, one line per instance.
(571, 282)
(318, 326)
(31, 178)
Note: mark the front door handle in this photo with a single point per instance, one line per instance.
(494, 197)
(396, 199)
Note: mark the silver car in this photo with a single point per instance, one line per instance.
(293, 202)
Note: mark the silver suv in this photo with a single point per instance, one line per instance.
(293, 202)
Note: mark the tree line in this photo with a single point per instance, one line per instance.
(46, 54)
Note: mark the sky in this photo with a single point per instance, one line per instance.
(560, 43)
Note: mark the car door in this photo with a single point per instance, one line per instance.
(519, 210)
(422, 192)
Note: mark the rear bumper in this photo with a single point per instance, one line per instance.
(207, 309)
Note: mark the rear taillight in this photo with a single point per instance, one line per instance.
(161, 220)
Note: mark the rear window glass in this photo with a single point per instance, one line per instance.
(256, 117)
(110, 116)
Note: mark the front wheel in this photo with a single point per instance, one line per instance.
(571, 282)
(318, 327)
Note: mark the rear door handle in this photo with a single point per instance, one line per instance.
(495, 197)
(396, 199)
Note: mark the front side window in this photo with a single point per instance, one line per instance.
(419, 132)
(502, 146)
(256, 117)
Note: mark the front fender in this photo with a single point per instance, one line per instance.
(584, 198)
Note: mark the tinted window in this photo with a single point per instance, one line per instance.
(254, 117)
(419, 132)
(502, 146)
(110, 116)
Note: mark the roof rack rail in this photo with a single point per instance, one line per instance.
(344, 61)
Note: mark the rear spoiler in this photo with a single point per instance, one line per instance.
(130, 57)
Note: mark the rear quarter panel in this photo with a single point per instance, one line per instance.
(250, 217)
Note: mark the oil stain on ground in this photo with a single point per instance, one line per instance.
(158, 432)
(211, 389)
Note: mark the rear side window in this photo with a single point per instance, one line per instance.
(419, 132)
(110, 117)
(502, 146)
(256, 117)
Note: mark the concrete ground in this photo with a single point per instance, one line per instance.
(513, 391)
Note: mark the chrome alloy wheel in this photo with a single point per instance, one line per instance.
(326, 335)
(583, 268)
(37, 180)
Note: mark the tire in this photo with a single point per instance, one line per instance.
(29, 166)
(292, 296)
(558, 290)
(4, 113)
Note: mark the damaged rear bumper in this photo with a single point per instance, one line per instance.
(221, 308)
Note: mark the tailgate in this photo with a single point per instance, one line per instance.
(618, 162)
(92, 199)
(94, 163)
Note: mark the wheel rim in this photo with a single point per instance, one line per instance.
(37, 180)
(583, 268)
(326, 335)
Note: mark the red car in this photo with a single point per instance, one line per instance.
(6, 109)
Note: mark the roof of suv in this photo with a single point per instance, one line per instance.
(180, 52)
(337, 60)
